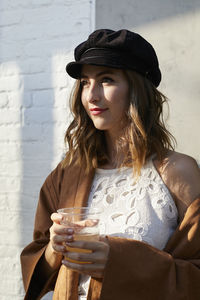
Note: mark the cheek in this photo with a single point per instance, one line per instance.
(84, 102)
(117, 94)
(120, 100)
(85, 106)
(124, 96)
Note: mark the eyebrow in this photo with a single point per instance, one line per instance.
(106, 72)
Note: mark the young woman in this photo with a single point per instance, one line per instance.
(120, 158)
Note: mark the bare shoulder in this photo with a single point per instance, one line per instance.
(180, 164)
(181, 174)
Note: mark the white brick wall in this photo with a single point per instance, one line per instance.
(37, 38)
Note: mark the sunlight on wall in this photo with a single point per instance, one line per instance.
(62, 84)
(36, 37)
(11, 85)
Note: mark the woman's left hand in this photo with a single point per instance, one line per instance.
(96, 259)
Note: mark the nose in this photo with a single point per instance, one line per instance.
(93, 92)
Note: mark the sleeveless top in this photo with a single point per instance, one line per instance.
(141, 209)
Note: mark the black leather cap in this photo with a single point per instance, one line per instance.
(121, 49)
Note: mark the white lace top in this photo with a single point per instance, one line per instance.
(143, 210)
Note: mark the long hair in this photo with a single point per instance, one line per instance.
(145, 133)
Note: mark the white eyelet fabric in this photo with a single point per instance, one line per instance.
(142, 210)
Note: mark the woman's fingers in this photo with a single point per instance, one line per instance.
(93, 252)
(104, 239)
(95, 270)
(58, 242)
(90, 222)
(59, 234)
(60, 229)
(90, 260)
(59, 239)
(59, 248)
(85, 257)
(90, 245)
(56, 218)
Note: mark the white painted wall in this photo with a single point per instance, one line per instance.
(173, 27)
(36, 42)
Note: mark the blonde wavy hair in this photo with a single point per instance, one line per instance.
(145, 133)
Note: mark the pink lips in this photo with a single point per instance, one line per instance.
(97, 110)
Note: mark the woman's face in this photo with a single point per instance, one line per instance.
(105, 97)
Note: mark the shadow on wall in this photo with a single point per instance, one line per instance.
(116, 14)
(173, 28)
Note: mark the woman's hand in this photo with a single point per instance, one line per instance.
(95, 260)
(59, 234)
(61, 237)
(54, 251)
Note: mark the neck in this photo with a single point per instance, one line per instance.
(115, 156)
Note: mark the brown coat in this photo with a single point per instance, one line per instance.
(134, 269)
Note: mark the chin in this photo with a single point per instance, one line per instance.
(100, 126)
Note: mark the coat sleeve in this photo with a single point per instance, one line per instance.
(34, 283)
(136, 270)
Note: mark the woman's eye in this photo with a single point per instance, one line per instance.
(107, 79)
(84, 82)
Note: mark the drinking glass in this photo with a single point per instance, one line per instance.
(85, 223)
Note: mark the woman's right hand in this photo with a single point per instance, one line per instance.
(55, 249)
(59, 234)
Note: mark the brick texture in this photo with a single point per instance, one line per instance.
(37, 38)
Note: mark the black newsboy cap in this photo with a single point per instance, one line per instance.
(120, 49)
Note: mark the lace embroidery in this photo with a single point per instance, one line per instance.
(142, 210)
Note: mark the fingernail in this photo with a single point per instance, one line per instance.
(69, 237)
(68, 244)
(69, 230)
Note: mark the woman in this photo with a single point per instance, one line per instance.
(120, 158)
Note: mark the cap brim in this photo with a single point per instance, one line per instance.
(107, 59)
(74, 69)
